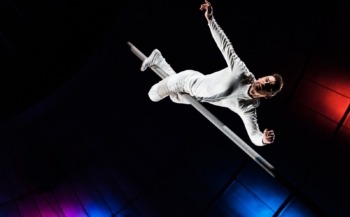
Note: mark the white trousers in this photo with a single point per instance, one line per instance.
(174, 84)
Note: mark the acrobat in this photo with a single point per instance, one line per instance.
(233, 87)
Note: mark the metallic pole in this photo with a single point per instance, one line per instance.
(240, 143)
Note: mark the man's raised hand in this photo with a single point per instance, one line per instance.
(208, 10)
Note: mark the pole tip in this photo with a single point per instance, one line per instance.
(129, 43)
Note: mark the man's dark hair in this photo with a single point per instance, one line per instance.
(277, 87)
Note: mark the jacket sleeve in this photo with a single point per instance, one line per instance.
(226, 48)
(251, 124)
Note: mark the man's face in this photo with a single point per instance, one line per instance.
(263, 86)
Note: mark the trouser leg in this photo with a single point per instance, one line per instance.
(173, 86)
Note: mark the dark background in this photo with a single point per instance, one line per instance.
(79, 136)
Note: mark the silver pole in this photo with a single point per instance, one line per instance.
(237, 140)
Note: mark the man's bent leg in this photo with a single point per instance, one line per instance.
(173, 85)
(159, 91)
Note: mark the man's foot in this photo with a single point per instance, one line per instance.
(153, 59)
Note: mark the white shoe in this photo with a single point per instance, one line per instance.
(153, 59)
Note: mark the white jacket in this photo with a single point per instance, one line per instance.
(226, 87)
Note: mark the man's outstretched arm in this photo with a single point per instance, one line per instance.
(222, 41)
(257, 137)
